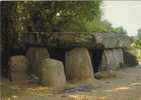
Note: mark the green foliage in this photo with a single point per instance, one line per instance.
(20, 17)
(59, 16)
(55, 15)
(119, 30)
(98, 26)
(139, 36)
(137, 40)
(136, 46)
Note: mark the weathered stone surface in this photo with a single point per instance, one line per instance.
(112, 40)
(75, 39)
(130, 59)
(19, 77)
(78, 65)
(18, 63)
(52, 73)
(112, 59)
(105, 74)
(65, 40)
(18, 69)
(35, 56)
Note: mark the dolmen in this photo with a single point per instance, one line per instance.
(78, 64)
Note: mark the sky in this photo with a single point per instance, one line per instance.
(125, 13)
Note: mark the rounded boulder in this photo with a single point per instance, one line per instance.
(52, 73)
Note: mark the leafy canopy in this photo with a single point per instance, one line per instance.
(56, 15)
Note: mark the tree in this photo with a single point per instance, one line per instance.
(119, 30)
(98, 25)
(55, 16)
(138, 41)
(50, 16)
(139, 35)
(21, 17)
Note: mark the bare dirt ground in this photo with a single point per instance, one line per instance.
(126, 86)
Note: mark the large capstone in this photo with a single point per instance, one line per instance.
(75, 39)
(18, 66)
(52, 73)
(112, 40)
(35, 56)
(112, 59)
(78, 65)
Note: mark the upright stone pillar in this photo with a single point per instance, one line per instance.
(78, 65)
(112, 59)
(18, 69)
(52, 73)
